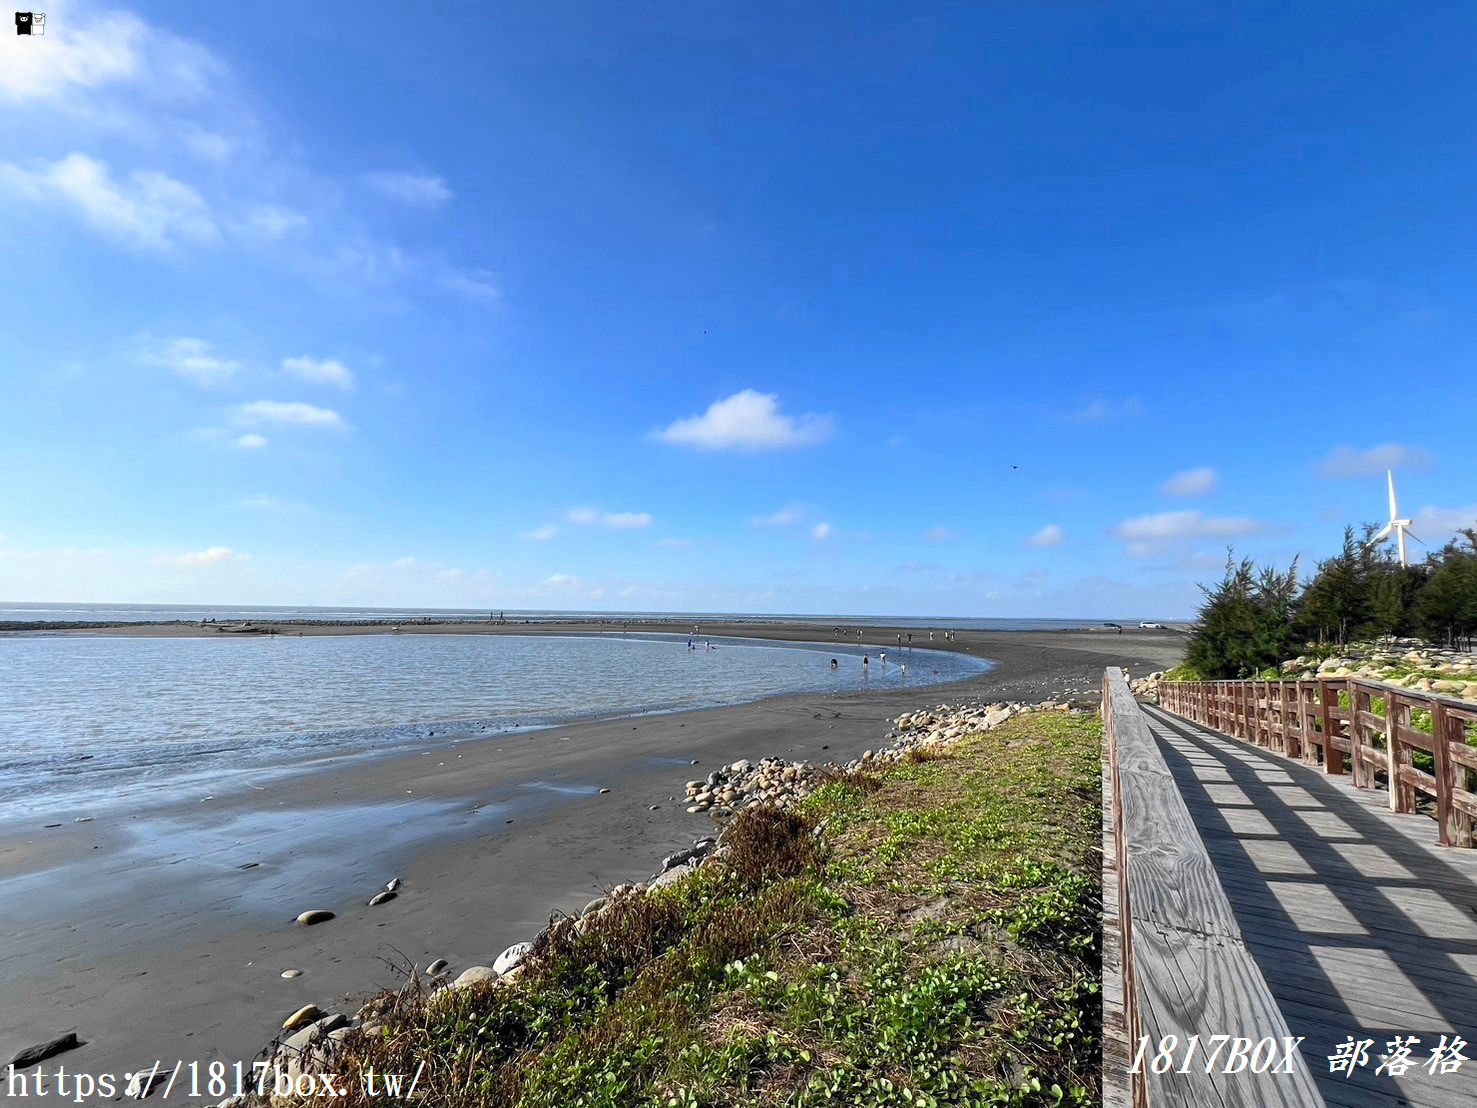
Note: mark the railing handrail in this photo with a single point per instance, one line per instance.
(1176, 928)
(1304, 718)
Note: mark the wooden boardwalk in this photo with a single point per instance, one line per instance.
(1360, 924)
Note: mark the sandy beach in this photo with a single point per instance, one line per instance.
(155, 940)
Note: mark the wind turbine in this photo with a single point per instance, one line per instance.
(1401, 527)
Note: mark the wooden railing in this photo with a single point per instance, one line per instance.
(1175, 961)
(1333, 721)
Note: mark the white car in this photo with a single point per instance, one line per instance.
(1153, 626)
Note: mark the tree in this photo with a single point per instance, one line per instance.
(1245, 623)
(1446, 606)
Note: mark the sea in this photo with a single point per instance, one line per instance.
(91, 721)
(12, 612)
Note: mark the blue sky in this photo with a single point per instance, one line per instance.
(672, 307)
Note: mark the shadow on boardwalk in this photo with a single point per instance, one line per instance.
(1361, 925)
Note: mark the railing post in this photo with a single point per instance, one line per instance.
(1359, 703)
(1397, 712)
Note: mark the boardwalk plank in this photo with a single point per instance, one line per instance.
(1373, 918)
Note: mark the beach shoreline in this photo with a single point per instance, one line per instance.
(160, 943)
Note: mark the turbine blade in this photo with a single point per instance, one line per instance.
(1381, 534)
(1412, 535)
(1394, 513)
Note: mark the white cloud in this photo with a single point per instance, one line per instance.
(940, 534)
(626, 519)
(150, 211)
(1436, 525)
(1185, 525)
(326, 372)
(562, 581)
(586, 516)
(293, 412)
(1050, 535)
(201, 557)
(209, 145)
(1104, 411)
(420, 189)
(750, 421)
(1345, 461)
(821, 531)
(541, 533)
(475, 284)
(1192, 482)
(791, 513)
(270, 221)
(250, 442)
(192, 358)
(79, 53)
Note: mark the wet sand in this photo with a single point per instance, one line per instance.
(145, 934)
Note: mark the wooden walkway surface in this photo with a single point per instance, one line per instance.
(1359, 922)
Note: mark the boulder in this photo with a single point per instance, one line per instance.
(511, 958)
(474, 975)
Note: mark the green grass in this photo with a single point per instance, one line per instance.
(941, 948)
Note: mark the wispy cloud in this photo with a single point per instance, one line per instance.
(1050, 535)
(325, 372)
(541, 533)
(747, 421)
(250, 442)
(562, 581)
(1345, 461)
(1191, 482)
(940, 534)
(1185, 525)
(148, 211)
(822, 530)
(1104, 411)
(793, 512)
(288, 413)
(192, 359)
(208, 557)
(421, 189)
(618, 520)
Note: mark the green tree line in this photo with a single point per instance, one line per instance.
(1257, 617)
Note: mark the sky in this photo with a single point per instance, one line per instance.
(911, 309)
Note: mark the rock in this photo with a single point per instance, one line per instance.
(594, 906)
(604, 791)
(382, 898)
(437, 966)
(304, 1015)
(511, 958)
(392, 884)
(315, 915)
(42, 1051)
(670, 877)
(292, 973)
(741, 766)
(142, 1083)
(474, 975)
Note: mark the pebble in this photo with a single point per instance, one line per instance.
(304, 1015)
(475, 975)
(437, 966)
(604, 791)
(292, 973)
(315, 915)
(392, 884)
(142, 1081)
(382, 897)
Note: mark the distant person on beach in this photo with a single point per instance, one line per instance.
(834, 663)
(910, 638)
(865, 663)
(903, 669)
(882, 657)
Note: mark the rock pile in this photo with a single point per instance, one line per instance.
(1407, 663)
(1147, 688)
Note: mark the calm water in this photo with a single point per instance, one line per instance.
(12, 612)
(95, 719)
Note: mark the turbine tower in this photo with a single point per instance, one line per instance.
(1401, 527)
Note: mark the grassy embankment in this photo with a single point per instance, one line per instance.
(937, 945)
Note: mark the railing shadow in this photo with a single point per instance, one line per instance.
(1365, 914)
